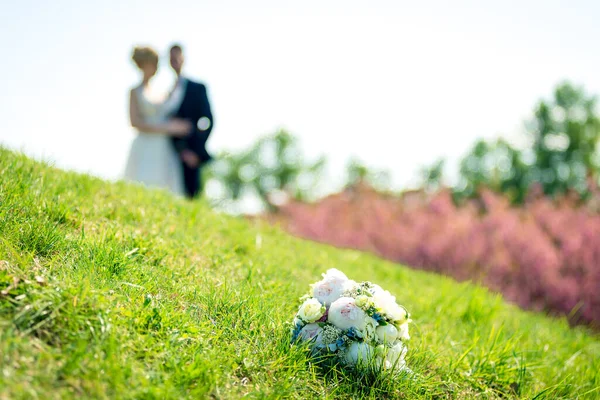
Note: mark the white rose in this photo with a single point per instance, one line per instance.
(359, 352)
(331, 287)
(376, 288)
(386, 303)
(387, 333)
(395, 355)
(344, 314)
(327, 292)
(333, 273)
(382, 298)
(350, 285)
(312, 332)
(400, 315)
(403, 332)
(311, 310)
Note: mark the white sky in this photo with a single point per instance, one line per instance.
(396, 83)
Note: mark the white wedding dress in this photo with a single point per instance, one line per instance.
(152, 159)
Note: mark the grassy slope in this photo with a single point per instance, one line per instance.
(129, 293)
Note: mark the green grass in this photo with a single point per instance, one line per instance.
(114, 291)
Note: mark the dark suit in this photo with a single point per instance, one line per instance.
(194, 106)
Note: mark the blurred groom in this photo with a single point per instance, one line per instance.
(194, 107)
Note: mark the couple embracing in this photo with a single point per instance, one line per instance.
(170, 148)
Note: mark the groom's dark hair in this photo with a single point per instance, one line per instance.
(177, 47)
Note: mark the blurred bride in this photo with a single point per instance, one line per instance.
(152, 159)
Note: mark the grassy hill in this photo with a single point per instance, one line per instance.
(114, 291)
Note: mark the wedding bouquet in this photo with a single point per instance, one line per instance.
(360, 323)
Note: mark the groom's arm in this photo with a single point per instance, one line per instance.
(194, 107)
(204, 109)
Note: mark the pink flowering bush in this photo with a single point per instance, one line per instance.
(542, 256)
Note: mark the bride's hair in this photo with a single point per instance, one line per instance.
(142, 55)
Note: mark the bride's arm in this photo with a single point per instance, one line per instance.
(174, 127)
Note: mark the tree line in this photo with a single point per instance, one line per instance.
(560, 157)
